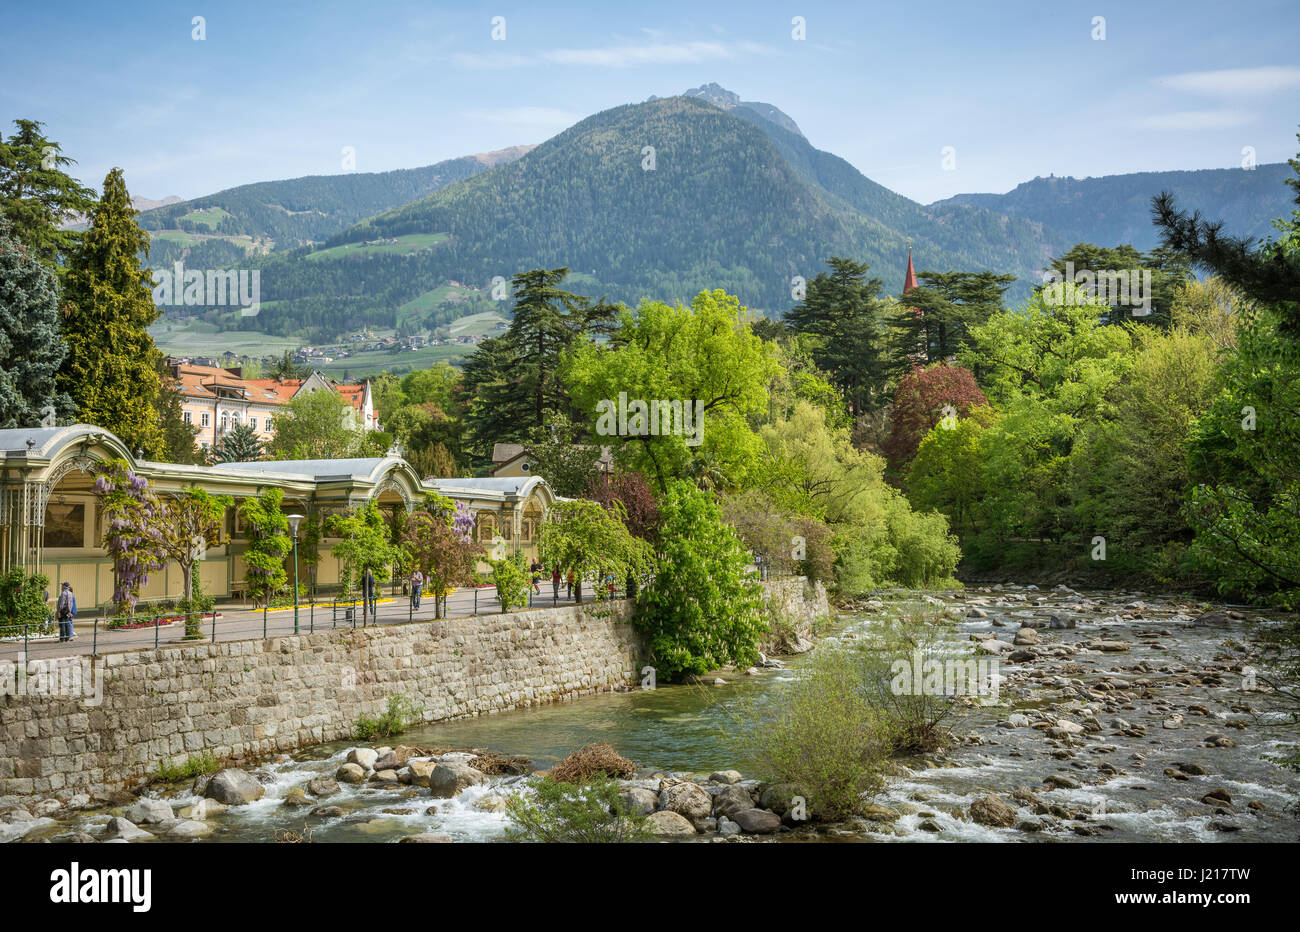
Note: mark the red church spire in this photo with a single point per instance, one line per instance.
(910, 281)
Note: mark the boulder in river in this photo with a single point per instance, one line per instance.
(731, 800)
(323, 786)
(757, 821)
(234, 787)
(687, 799)
(639, 800)
(147, 811)
(667, 823)
(350, 773)
(993, 810)
(363, 757)
(447, 780)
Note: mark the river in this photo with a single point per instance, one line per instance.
(1168, 723)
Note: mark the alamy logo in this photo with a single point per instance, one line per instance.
(1128, 287)
(104, 885)
(637, 418)
(180, 286)
(61, 677)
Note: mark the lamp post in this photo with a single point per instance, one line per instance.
(294, 521)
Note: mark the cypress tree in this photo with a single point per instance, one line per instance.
(112, 368)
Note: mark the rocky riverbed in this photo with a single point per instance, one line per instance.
(1119, 717)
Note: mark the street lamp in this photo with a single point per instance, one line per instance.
(294, 521)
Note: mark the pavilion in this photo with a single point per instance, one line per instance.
(50, 521)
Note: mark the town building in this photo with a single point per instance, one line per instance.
(217, 400)
(50, 520)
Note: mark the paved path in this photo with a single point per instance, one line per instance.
(236, 624)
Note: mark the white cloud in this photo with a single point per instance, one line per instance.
(1197, 119)
(618, 56)
(654, 53)
(1235, 82)
(527, 116)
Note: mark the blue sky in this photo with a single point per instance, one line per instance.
(276, 90)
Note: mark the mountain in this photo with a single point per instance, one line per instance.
(724, 99)
(1116, 209)
(145, 203)
(722, 205)
(223, 228)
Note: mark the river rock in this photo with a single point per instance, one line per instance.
(993, 810)
(779, 797)
(1194, 769)
(123, 829)
(1060, 622)
(323, 786)
(875, 813)
(327, 812)
(686, 799)
(363, 757)
(189, 828)
(1026, 637)
(234, 787)
(446, 780)
(426, 838)
(148, 811)
(350, 773)
(725, 776)
(46, 807)
(1217, 796)
(420, 771)
(993, 646)
(669, 824)
(731, 800)
(1215, 619)
(639, 800)
(757, 821)
(388, 777)
(202, 809)
(727, 828)
(493, 802)
(457, 757)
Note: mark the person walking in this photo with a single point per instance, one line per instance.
(573, 578)
(555, 583)
(536, 569)
(66, 612)
(368, 593)
(417, 584)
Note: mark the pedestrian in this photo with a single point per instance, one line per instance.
(368, 593)
(417, 583)
(536, 570)
(555, 583)
(573, 578)
(66, 612)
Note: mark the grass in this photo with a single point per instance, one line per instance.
(195, 337)
(399, 716)
(195, 765)
(404, 245)
(361, 365)
(208, 216)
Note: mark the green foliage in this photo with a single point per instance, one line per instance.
(511, 577)
(194, 765)
(315, 425)
(841, 310)
(37, 197)
(22, 602)
(703, 356)
(587, 813)
(240, 444)
(365, 543)
(593, 541)
(112, 370)
(932, 322)
(399, 715)
(703, 609)
(825, 738)
(31, 343)
(268, 544)
(445, 556)
(568, 465)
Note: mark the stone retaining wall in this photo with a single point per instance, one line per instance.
(249, 699)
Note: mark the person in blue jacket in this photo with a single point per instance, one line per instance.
(66, 611)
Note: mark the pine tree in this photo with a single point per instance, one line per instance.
(841, 307)
(31, 346)
(240, 445)
(112, 368)
(37, 196)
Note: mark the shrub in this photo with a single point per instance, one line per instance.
(826, 738)
(22, 601)
(400, 715)
(590, 813)
(511, 578)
